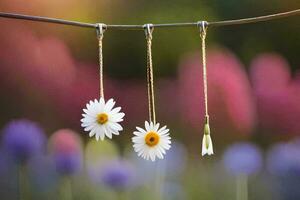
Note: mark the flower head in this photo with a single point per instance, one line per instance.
(117, 175)
(23, 139)
(172, 166)
(151, 142)
(230, 96)
(42, 173)
(242, 158)
(283, 159)
(101, 119)
(66, 151)
(277, 95)
(283, 162)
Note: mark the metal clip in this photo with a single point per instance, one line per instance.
(100, 29)
(202, 26)
(148, 30)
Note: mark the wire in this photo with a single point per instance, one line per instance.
(46, 19)
(140, 27)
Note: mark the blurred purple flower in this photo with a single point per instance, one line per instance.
(284, 159)
(277, 95)
(176, 159)
(66, 151)
(6, 164)
(173, 191)
(230, 99)
(23, 139)
(8, 177)
(67, 163)
(42, 173)
(283, 162)
(116, 174)
(172, 166)
(242, 158)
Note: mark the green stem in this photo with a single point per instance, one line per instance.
(65, 190)
(159, 179)
(242, 187)
(24, 190)
(121, 195)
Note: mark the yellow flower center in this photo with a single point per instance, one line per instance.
(102, 118)
(152, 139)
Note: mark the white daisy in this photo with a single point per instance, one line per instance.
(151, 142)
(101, 119)
(207, 146)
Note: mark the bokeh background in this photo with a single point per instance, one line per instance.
(49, 72)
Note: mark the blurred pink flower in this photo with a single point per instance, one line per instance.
(66, 151)
(131, 95)
(277, 95)
(27, 61)
(85, 87)
(230, 99)
(66, 141)
(167, 105)
(44, 68)
(40, 71)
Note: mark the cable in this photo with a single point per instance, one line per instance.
(46, 19)
(140, 27)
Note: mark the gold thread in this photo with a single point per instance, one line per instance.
(100, 33)
(150, 82)
(203, 30)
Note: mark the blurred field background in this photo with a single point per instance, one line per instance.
(49, 72)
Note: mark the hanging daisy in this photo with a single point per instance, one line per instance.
(152, 141)
(100, 118)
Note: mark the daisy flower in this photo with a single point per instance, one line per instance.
(101, 119)
(151, 142)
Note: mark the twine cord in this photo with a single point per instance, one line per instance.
(100, 33)
(150, 83)
(203, 31)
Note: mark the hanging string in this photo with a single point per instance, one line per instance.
(207, 145)
(203, 30)
(150, 85)
(100, 33)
